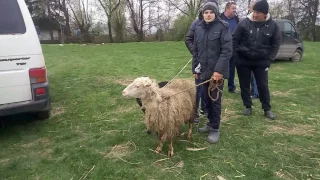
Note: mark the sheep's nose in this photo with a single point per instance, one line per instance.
(123, 93)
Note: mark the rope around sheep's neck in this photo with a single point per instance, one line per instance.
(213, 84)
(178, 73)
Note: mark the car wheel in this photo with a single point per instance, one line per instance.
(297, 56)
(43, 115)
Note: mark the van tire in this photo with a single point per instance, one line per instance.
(297, 56)
(43, 115)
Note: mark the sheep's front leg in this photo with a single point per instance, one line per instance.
(189, 136)
(170, 147)
(160, 144)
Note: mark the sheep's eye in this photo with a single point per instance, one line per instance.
(137, 86)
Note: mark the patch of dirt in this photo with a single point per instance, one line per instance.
(277, 68)
(124, 82)
(229, 114)
(283, 174)
(44, 153)
(297, 129)
(41, 141)
(57, 110)
(3, 161)
(120, 150)
(294, 76)
(282, 94)
(125, 109)
(101, 79)
(228, 101)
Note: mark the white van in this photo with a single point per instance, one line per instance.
(24, 85)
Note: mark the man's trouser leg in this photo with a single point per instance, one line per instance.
(255, 87)
(261, 75)
(231, 84)
(198, 96)
(213, 107)
(244, 75)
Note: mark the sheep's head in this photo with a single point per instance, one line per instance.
(138, 88)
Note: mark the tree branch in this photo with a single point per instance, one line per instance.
(178, 8)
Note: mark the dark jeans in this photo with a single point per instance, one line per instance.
(261, 76)
(254, 87)
(213, 107)
(232, 67)
(199, 96)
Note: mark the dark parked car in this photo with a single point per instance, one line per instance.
(291, 46)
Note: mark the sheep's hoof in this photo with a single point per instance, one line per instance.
(189, 137)
(170, 153)
(158, 149)
(149, 132)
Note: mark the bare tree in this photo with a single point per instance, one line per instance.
(109, 7)
(83, 17)
(137, 11)
(62, 6)
(311, 11)
(119, 22)
(189, 8)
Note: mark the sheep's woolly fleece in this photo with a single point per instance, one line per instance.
(166, 116)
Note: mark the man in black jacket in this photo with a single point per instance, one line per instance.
(256, 40)
(212, 51)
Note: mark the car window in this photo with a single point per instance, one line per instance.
(11, 20)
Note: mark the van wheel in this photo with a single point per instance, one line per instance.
(297, 56)
(43, 115)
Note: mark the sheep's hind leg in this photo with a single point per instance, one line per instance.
(170, 147)
(160, 144)
(189, 136)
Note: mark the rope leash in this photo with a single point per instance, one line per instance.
(213, 84)
(178, 73)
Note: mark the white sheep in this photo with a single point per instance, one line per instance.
(166, 108)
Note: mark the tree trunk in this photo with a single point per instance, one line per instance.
(140, 36)
(51, 19)
(314, 20)
(110, 29)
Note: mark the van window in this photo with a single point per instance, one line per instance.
(288, 29)
(11, 20)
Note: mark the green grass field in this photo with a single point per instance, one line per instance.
(94, 133)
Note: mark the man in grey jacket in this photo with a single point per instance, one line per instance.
(212, 50)
(189, 44)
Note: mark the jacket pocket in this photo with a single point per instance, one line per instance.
(214, 36)
(265, 38)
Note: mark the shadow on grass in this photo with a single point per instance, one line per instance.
(282, 61)
(8, 123)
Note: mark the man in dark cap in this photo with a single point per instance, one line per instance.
(256, 40)
(212, 50)
(189, 43)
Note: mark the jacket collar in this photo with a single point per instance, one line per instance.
(250, 17)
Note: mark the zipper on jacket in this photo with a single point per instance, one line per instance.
(255, 41)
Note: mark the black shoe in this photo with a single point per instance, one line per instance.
(233, 91)
(247, 111)
(270, 115)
